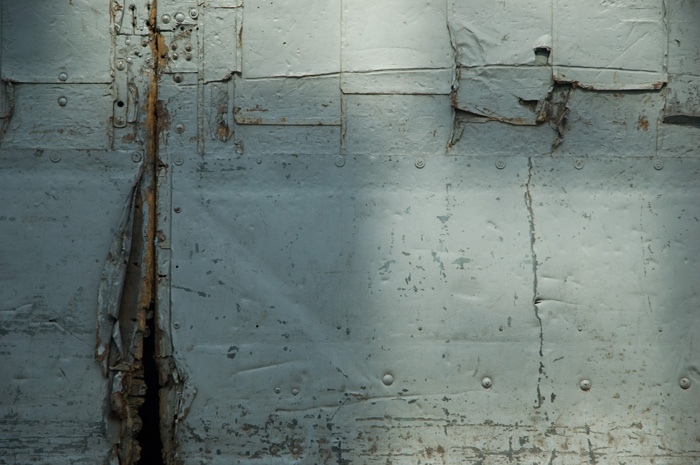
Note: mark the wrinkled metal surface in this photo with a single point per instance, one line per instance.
(401, 232)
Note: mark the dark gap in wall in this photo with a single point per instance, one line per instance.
(149, 436)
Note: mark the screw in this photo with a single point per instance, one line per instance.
(486, 382)
(194, 13)
(177, 209)
(420, 163)
(179, 17)
(277, 390)
(340, 162)
(121, 65)
(55, 157)
(177, 78)
(685, 383)
(62, 101)
(500, 164)
(63, 77)
(578, 164)
(136, 157)
(179, 160)
(165, 19)
(180, 128)
(176, 324)
(658, 164)
(585, 384)
(388, 379)
(295, 391)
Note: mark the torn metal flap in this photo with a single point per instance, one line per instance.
(514, 95)
(111, 286)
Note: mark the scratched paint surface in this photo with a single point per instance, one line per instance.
(411, 232)
(348, 267)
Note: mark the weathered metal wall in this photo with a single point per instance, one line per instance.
(387, 232)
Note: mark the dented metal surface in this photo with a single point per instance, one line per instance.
(407, 232)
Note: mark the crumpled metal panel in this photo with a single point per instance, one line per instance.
(57, 211)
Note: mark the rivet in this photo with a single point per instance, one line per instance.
(119, 120)
(685, 383)
(295, 450)
(486, 382)
(661, 330)
(62, 77)
(177, 78)
(658, 164)
(165, 19)
(179, 17)
(62, 101)
(176, 324)
(179, 160)
(420, 163)
(188, 47)
(278, 390)
(340, 162)
(388, 379)
(585, 384)
(578, 164)
(175, 56)
(129, 60)
(580, 328)
(258, 161)
(144, 43)
(55, 157)
(180, 128)
(500, 164)
(194, 13)
(295, 391)
(127, 41)
(188, 57)
(121, 65)
(173, 46)
(177, 209)
(136, 157)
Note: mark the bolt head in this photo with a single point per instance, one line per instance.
(585, 385)
(420, 163)
(388, 379)
(578, 164)
(136, 157)
(486, 382)
(658, 164)
(340, 162)
(62, 101)
(500, 164)
(684, 383)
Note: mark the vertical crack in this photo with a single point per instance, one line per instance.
(535, 296)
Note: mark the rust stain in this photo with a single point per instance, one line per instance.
(642, 123)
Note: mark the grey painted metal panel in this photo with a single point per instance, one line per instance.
(57, 211)
(54, 42)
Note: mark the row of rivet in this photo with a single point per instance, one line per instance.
(179, 16)
(487, 383)
(420, 162)
(136, 157)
